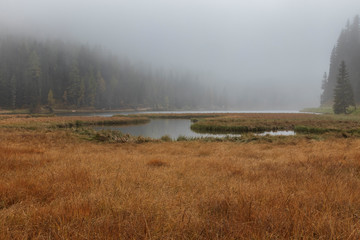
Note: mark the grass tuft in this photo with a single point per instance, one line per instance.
(166, 138)
(157, 163)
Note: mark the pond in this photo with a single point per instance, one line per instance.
(172, 128)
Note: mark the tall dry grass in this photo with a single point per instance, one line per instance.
(41, 122)
(55, 186)
(259, 122)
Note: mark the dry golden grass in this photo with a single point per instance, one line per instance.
(274, 121)
(29, 122)
(55, 186)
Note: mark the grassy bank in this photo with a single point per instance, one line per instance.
(329, 110)
(51, 121)
(259, 122)
(323, 110)
(55, 185)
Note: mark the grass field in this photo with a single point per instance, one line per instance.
(56, 184)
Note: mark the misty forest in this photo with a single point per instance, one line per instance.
(67, 75)
(37, 74)
(40, 74)
(344, 64)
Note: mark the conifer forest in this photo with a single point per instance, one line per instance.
(347, 50)
(52, 73)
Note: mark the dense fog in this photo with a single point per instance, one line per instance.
(268, 54)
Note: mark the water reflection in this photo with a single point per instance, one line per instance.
(161, 127)
(110, 114)
(174, 128)
(277, 133)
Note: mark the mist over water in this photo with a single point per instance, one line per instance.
(259, 54)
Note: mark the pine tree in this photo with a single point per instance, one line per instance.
(347, 49)
(343, 93)
(50, 98)
(81, 96)
(13, 92)
(90, 90)
(2, 89)
(74, 88)
(34, 87)
(101, 88)
(323, 87)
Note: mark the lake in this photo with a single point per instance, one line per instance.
(173, 128)
(110, 114)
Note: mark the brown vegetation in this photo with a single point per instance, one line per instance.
(54, 185)
(41, 122)
(258, 122)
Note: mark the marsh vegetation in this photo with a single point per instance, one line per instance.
(71, 182)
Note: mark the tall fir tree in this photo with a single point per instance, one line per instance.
(13, 92)
(74, 88)
(343, 93)
(347, 49)
(50, 98)
(323, 87)
(34, 81)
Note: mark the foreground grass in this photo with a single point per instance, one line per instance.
(54, 185)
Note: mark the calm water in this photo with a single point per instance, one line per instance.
(110, 114)
(161, 127)
(173, 128)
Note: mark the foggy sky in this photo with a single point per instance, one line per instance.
(279, 48)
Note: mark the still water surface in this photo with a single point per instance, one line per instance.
(173, 128)
(161, 127)
(110, 114)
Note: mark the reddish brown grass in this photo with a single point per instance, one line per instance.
(55, 186)
(157, 163)
(286, 121)
(29, 122)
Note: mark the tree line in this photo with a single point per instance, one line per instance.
(58, 74)
(341, 87)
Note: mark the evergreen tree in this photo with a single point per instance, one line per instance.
(343, 93)
(2, 89)
(101, 88)
(323, 87)
(90, 90)
(74, 88)
(64, 98)
(34, 87)
(81, 96)
(347, 49)
(50, 98)
(13, 92)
